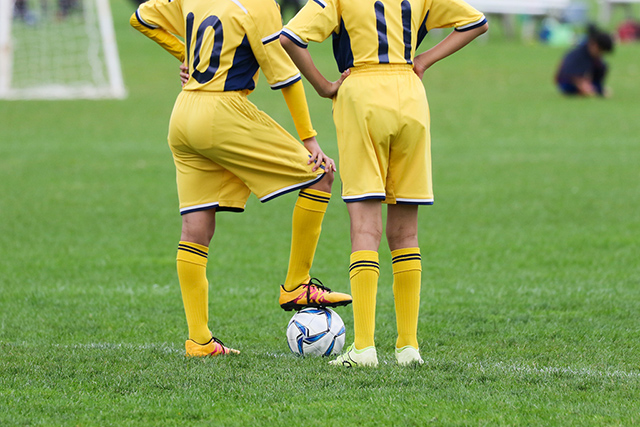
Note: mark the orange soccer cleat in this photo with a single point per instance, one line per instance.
(213, 348)
(312, 294)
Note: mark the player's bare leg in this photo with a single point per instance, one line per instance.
(299, 289)
(366, 225)
(198, 227)
(197, 231)
(402, 235)
(364, 270)
(402, 226)
(325, 183)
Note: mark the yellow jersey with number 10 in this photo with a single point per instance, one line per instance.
(226, 41)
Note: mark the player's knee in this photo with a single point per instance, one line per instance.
(201, 237)
(324, 184)
(373, 233)
(402, 237)
(198, 227)
(328, 180)
(365, 238)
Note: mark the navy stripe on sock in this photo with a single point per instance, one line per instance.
(314, 197)
(364, 264)
(196, 251)
(406, 257)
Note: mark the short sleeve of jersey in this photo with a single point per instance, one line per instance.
(263, 31)
(316, 21)
(166, 14)
(453, 13)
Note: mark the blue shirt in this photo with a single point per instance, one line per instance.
(577, 63)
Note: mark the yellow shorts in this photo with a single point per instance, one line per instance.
(224, 149)
(382, 120)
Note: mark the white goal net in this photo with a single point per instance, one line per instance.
(58, 49)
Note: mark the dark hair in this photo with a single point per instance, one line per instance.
(603, 40)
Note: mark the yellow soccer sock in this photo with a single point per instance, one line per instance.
(192, 274)
(308, 214)
(407, 274)
(364, 271)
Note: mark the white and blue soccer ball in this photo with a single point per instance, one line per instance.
(316, 332)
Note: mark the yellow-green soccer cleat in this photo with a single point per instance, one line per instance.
(353, 358)
(408, 355)
(312, 294)
(213, 348)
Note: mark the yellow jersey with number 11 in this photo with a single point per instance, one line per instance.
(367, 32)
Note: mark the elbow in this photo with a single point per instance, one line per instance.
(286, 42)
(483, 29)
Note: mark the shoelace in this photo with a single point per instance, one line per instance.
(318, 284)
(225, 350)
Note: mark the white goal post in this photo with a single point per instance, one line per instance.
(58, 49)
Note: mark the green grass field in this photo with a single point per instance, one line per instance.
(531, 281)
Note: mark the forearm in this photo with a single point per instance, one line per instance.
(297, 103)
(168, 41)
(451, 44)
(302, 58)
(584, 86)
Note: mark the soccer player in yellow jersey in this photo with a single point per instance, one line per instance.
(224, 148)
(382, 120)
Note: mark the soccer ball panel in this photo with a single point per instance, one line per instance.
(316, 332)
